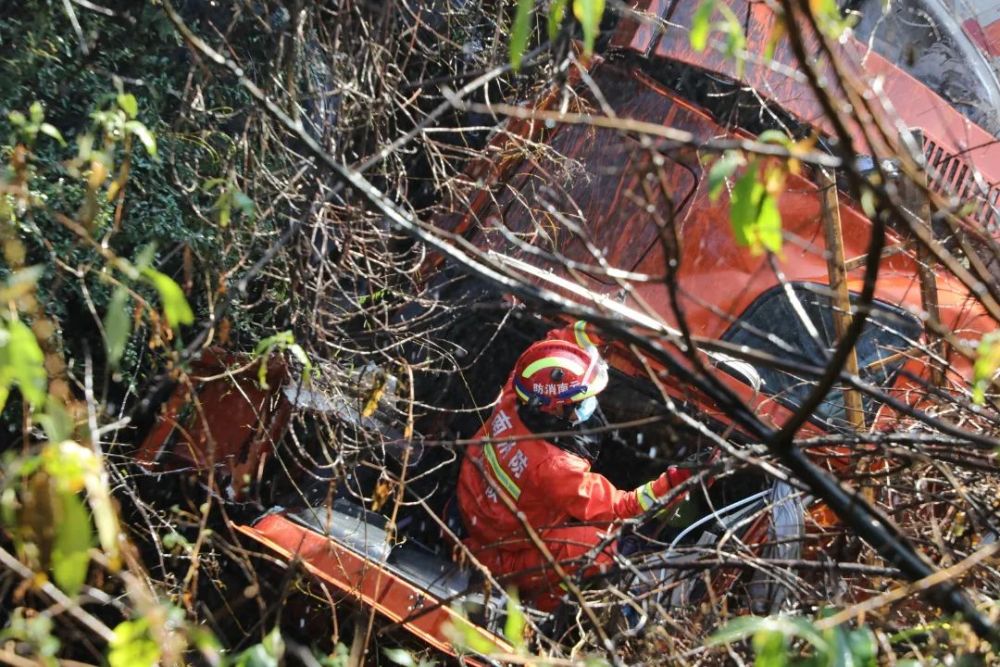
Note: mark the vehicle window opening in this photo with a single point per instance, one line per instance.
(770, 325)
(730, 103)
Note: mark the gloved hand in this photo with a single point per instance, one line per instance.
(676, 476)
(650, 493)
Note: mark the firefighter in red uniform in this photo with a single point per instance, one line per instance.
(553, 388)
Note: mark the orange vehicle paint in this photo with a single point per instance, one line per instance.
(364, 581)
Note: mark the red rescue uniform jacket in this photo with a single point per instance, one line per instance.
(555, 492)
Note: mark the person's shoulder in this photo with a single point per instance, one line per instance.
(556, 460)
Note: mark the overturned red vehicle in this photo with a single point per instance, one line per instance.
(581, 210)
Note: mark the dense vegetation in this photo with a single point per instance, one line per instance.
(190, 175)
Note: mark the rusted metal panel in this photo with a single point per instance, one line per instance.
(981, 20)
(591, 176)
(718, 280)
(606, 184)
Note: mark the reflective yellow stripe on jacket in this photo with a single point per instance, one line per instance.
(499, 473)
(580, 332)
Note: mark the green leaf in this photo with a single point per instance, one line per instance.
(262, 375)
(748, 626)
(128, 104)
(175, 305)
(206, 643)
(224, 205)
(828, 17)
(301, 355)
(520, 32)
(341, 657)
(281, 339)
(69, 464)
(50, 130)
(513, 629)
(721, 170)
(770, 648)
(73, 467)
(133, 646)
(145, 256)
(557, 12)
(117, 326)
(34, 629)
(467, 637)
(22, 363)
(16, 118)
(105, 518)
(701, 25)
(743, 206)
(274, 643)
(143, 134)
(74, 537)
(400, 656)
(986, 365)
(212, 183)
(839, 653)
(589, 13)
(768, 224)
(174, 539)
(243, 203)
(775, 137)
(861, 647)
(754, 214)
(738, 629)
(868, 202)
(36, 112)
(268, 653)
(56, 421)
(255, 656)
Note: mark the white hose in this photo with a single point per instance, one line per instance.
(716, 515)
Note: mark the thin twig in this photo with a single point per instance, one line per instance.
(72, 607)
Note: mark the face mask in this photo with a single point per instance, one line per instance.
(584, 409)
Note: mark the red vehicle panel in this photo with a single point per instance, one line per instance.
(616, 220)
(367, 582)
(947, 131)
(231, 422)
